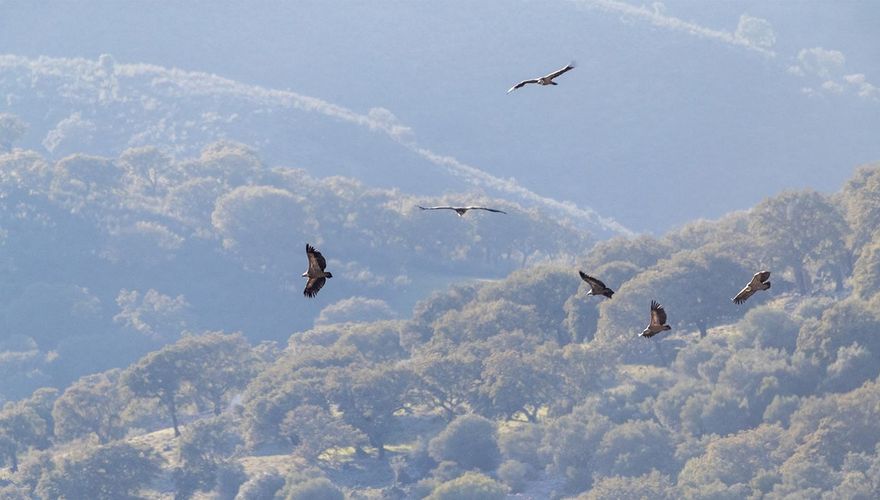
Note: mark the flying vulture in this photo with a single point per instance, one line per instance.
(462, 210)
(759, 282)
(596, 286)
(544, 80)
(316, 275)
(658, 321)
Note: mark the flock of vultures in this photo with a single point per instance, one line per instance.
(317, 275)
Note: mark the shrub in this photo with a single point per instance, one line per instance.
(314, 489)
(470, 441)
(261, 487)
(514, 474)
(470, 486)
(521, 443)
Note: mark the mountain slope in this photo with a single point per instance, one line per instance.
(101, 107)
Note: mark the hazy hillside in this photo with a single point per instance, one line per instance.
(130, 251)
(163, 166)
(718, 105)
(521, 386)
(103, 108)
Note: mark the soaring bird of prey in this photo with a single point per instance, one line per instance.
(316, 274)
(658, 321)
(759, 282)
(463, 210)
(596, 286)
(544, 80)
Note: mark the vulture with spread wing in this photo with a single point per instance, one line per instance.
(316, 274)
(544, 80)
(658, 321)
(596, 286)
(463, 210)
(759, 282)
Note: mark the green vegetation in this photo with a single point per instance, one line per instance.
(520, 383)
(106, 259)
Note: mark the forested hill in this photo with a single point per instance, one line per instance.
(521, 385)
(102, 107)
(105, 258)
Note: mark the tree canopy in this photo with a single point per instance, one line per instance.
(507, 378)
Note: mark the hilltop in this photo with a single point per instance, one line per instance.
(102, 107)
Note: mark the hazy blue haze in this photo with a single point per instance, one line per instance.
(178, 155)
(657, 125)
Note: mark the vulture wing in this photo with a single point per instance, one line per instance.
(744, 294)
(520, 84)
(594, 283)
(560, 71)
(313, 285)
(658, 314)
(487, 209)
(316, 261)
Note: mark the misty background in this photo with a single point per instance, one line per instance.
(162, 166)
(659, 124)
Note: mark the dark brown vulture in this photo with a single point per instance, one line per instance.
(596, 286)
(316, 275)
(658, 321)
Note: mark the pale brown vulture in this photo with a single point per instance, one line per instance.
(544, 80)
(463, 210)
(759, 282)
